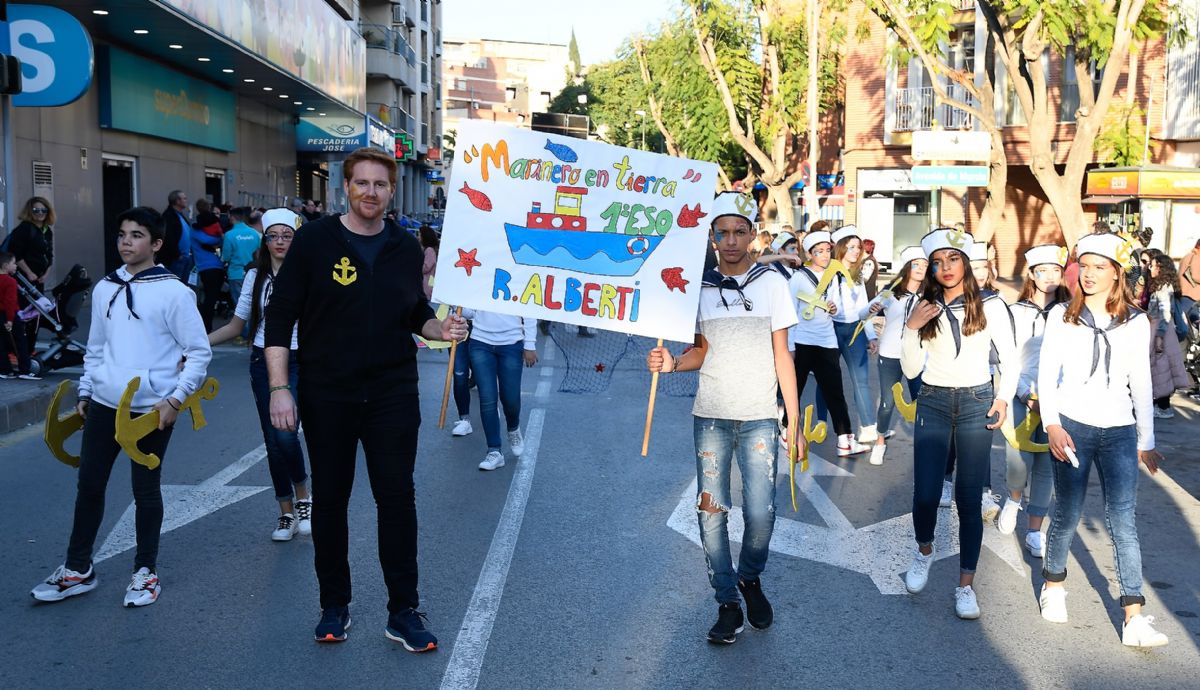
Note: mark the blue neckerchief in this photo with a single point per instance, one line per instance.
(713, 278)
(1098, 334)
(152, 274)
(955, 327)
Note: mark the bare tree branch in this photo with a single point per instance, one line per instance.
(655, 106)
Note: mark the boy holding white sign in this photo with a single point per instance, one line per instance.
(742, 354)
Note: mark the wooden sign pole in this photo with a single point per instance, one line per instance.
(650, 408)
(449, 378)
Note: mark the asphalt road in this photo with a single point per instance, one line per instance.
(574, 568)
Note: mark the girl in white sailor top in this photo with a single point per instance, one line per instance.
(814, 342)
(947, 340)
(1043, 289)
(1097, 411)
(891, 304)
(850, 298)
(144, 324)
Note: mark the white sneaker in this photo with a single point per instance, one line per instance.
(286, 528)
(877, 453)
(868, 434)
(1054, 604)
(63, 583)
(966, 605)
(304, 517)
(1158, 414)
(1035, 541)
(918, 572)
(991, 509)
(1139, 632)
(494, 460)
(462, 427)
(1007, 523)
(516, 442)
(143, 589)
(847, 446)
(947, 494)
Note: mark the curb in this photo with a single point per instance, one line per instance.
(19, 411)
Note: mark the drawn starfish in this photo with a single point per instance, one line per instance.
(467, 260)
(600, 368)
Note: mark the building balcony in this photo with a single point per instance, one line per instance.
(390, 55)
(917, 109)
(393, 116)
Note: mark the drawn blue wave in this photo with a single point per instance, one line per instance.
(596, 253)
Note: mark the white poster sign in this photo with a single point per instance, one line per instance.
(951, 145)
(549, 227)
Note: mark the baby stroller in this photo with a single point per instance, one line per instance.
(1191, 350)
(59, 314)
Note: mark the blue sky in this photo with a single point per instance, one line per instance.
(600, 25)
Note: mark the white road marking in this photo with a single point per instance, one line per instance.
(551, 352)
(547, 372)
(543, 389)
(183, 504)
(462, 673)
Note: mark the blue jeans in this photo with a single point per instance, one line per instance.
(1032, 469)
(181, 267)
(889, 375)
(857, 367)
(955, 416)
(754, 444)
(285, 459)
(1113, 451)
(462, 378)
(498, 364)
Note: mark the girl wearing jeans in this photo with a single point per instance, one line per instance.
(947, 340)
(850, 298)
(1042, 290)
(892, 308)
(500, 344)
(1097, 412)
(285, 459)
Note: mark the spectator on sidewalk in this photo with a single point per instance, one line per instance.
(1166, 356)
(209, 269)
(13, 340)
(176, 252)
(238, 248)
(429, 248)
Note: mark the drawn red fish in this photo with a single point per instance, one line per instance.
(478, 199)
(690, 218)
(673, 278)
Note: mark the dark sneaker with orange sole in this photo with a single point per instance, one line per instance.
(335, 621)
(408, 628)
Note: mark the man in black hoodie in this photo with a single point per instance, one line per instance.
(354, 283)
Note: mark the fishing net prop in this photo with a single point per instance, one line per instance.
(594, 355)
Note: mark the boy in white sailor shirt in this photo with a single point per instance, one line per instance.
(144, 324)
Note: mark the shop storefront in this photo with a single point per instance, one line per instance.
(1163, 199)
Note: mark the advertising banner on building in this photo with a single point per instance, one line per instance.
(331, 133)
(55, 51)
(137, 95)
(550, 227)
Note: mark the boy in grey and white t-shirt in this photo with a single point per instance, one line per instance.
(742, 353)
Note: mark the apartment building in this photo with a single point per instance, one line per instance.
(501, 81)
(887, 102)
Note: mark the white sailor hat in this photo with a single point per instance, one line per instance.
(782, 239)
(735, 204)
(1046, 254)
(978, 251)
(282, 216)
(946, 238)
(816, 237)
(911, 254)
(844, 232)
(1107, 245)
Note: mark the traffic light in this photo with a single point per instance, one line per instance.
(10, 75)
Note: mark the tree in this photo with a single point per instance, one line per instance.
(922, 30)
(1083, 34)
(754, 53)
(573, 56)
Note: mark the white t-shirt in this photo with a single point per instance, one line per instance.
(944, 362)
(894, 314)
(737, 379)
(817, 330)
(242, 310)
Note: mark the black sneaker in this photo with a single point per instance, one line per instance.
(408, 628)
(729, 624)
(758, 609)
(335, 621)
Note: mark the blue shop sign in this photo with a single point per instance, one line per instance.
(55, 53)
(138, 95)
(331, 133)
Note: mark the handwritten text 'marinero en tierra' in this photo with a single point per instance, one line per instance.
(181, 106)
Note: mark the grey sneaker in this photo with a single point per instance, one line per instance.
(493, 461)
(516, 442)
(918, 572)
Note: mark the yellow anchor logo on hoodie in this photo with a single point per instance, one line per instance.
(344, 273)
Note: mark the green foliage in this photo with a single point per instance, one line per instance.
(573, 54)
(1085, 24)
(1122, 138)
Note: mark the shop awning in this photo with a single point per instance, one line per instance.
(1102, 200)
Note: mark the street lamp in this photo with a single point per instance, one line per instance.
(642, 113)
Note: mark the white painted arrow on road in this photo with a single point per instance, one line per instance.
(882, 551)
(184, 504)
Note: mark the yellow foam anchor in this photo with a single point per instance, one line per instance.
(886, 293)
(1020, 436)
(132, 429)
(812, 434)
(908, 410)
(58, 430)
(814, 300)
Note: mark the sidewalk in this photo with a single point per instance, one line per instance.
(25, 402)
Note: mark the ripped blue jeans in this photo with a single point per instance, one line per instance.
(753, 442)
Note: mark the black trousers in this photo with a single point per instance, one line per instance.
(211, 280)
(387, 430)
(823, 364)
(97, 456)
